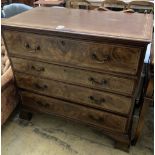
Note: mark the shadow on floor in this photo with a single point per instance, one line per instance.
(49, 135)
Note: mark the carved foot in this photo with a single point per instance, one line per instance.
(122, 146)
(25, 115)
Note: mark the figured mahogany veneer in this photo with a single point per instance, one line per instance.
(75, 76)
(74, 52)
(89, 115)
(86, 71)
(74, 93)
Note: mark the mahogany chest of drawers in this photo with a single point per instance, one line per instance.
(78, 64)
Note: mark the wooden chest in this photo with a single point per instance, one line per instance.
(78, 64)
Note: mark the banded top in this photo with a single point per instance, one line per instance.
(107, 24)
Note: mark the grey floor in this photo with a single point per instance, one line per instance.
(49, 135)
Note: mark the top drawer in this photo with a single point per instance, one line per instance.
(74, 52)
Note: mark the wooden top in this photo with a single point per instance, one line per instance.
(106, 24)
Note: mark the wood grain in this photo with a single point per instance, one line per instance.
(108, 24)
(106, 57)
(75, 76)
(88, 115)
(81, 95)
(62, 63)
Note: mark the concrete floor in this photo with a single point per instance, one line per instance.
(49, 135)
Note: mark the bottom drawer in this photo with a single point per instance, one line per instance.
(97, 118)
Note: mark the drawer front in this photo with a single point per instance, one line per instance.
(81, 95)
(75, 76)
(88, 115)
(91, 55)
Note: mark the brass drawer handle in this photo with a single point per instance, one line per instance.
(62, 43)
(27, 46)
(62, 46)
(45, 105)
(103, 60)
(96, 119)
(102, 82)
(97, 101)
(37, 48)
(40, 86)
(39, 69)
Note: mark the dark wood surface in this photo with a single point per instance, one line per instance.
(54, 65)
(113, 58)
(137, 27)
(81, 77)
(89, 97)
(148, 96)
(99, 118)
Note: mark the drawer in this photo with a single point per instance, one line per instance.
(103, 57)
(75, 76)
(77, 94)
(88, 115)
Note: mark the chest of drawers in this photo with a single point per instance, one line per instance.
(80, 65)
